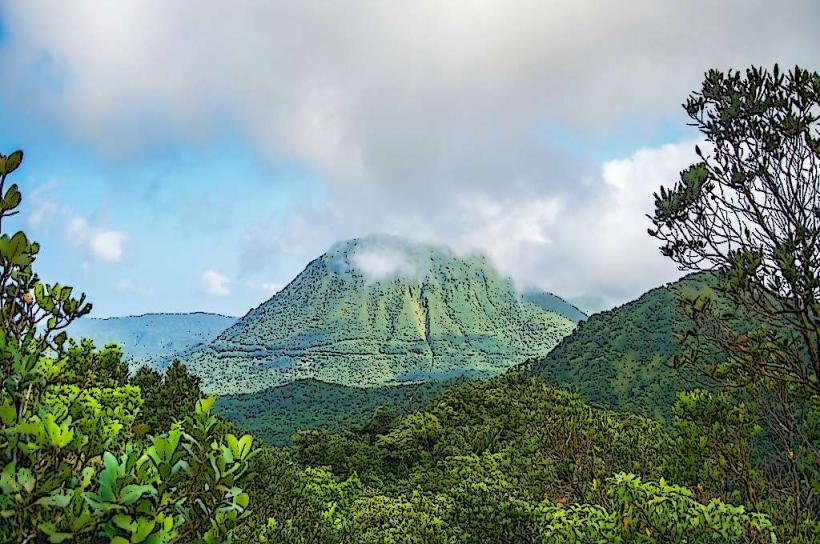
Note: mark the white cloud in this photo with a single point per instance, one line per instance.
(44, 206)
(104, 244)
(593, 247)
(508, 231)
(128, 286)
(443, 121)
(268, 289)
(271, 288)
(215, 283)
(380, 260)
(602, 248)
(46, 212)
(381, 92)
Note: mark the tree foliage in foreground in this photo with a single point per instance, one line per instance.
(72, 467)
(509, 460)
(750, 210)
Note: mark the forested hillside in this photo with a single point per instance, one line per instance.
(276, 414)
(620, 357)
(554, 303)
(509, 460)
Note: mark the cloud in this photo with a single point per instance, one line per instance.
(104, 244)
(380, 92)
(601, 248)
(271, 288)
(268, 289)
(467, 123)
(215, 284)
(382, 258)
(593, 247)
(47, 211)
(44, 205)
(128, 286)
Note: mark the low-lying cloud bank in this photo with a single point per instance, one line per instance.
(595, 251)
(479, 125)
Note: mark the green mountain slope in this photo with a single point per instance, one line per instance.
(556, 304)
(275, 414)
(152, 338)
(618, 357)
(378, 311)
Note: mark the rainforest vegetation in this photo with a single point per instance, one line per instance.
(717, 441)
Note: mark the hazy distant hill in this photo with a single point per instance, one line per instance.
(381, 310)
(556, 304)
(617, 357)
(151, 338)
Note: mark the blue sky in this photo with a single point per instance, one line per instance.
(181, 212)
(193, 157)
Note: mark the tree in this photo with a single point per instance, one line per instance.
(71, 466)
(166, 398)
(750, 210)
(87, 367)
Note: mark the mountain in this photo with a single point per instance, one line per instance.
(376, 311)
(556, 304)
(152, 338)
(618, 357)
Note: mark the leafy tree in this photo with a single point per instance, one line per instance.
(167, 397)
(87, 367)
(750, 209)
(715, 435)
(71, 467)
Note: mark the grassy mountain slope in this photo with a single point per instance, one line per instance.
(151, 338)
(617, 357)
(275, 414)
(380, 310)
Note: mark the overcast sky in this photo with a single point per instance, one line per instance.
(195, 155)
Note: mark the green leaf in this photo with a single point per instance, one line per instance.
(8, 415)
(240, 448)
(242, 500)
(12, 198)
(13, 161)
(124, 522)
(144, 528)
(132, 493)
(204, 406)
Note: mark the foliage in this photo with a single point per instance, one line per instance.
(619, 357)
(157, 390)
(750, 210)
(508, 460)
(72, 467)
(276, 414)
(86, 367)
(725, 429)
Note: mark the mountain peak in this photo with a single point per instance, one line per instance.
(380, 257)
(381, 310)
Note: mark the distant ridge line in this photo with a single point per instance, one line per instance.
(150, 314)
